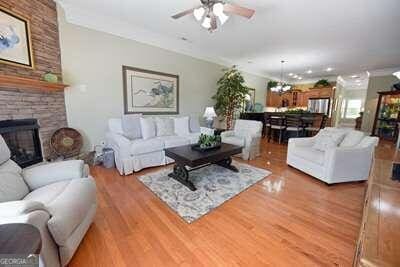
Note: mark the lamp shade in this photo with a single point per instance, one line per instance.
(209, 113)
(397, 74)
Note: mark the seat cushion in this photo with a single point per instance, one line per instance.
(173, 141)
(234, 140)
(141, 146)
(68, 202)
(310, 154)
(12, 187)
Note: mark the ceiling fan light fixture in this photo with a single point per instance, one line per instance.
(223, 18)
(206, 22)
(199, 13)
(218, 9)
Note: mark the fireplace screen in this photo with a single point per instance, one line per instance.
(22, 138)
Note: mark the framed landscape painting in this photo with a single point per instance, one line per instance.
(150, 92)
(15, 40)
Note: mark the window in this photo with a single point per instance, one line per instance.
(352, 108)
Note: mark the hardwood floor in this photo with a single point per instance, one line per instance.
(306, 223)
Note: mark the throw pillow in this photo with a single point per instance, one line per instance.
(326, 140)
(194, 124)
(165, 126)
(131, 126)
(352, 139)
(148, 128)
(181, 125)
(12, 187)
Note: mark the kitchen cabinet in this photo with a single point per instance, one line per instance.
(297, 98)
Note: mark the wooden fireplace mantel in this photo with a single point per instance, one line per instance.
(13, 82)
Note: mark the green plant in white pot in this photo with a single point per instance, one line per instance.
(230, 94)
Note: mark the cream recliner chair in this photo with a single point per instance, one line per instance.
(58, 198)
(247, 134)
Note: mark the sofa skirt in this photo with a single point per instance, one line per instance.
(138, 162)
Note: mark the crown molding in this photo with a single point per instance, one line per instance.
(79, 16)
(383, 72)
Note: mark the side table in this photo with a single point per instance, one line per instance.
(19, 238)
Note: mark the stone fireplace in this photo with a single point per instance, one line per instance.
(23, 93)
(22, 138)
(30, 99)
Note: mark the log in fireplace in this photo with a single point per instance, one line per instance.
(22, 138)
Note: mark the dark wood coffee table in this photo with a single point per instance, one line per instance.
(185, 156)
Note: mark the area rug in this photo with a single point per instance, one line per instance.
(214, 184)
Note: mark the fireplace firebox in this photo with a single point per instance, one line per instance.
(22, 138)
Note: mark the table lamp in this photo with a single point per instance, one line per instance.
(209, 114)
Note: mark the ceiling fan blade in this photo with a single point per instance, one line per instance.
(184, 13)
(213, 22)
(239, 10)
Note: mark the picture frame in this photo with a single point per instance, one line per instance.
(16, 41)
(150, 92)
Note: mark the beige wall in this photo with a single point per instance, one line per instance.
(92, 64)
(376, 84)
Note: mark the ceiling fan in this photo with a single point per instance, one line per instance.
(211, 10)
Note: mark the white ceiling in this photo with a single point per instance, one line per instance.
(356, 81)
(351, 36)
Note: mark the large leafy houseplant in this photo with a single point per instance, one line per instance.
(230, 94)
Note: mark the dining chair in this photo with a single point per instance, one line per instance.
(312, 130)
(276, 123)
(294, 124)
(266, 125)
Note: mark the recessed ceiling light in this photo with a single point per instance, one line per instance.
(299, 78)
(295, 76)
(358, 81)
(329, 69)
(354, 76)
(359, 84)
(290, 74)
(309, 71)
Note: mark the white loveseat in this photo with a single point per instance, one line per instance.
(132, 155)
(58, 198)
(247, 134)
(349, 161)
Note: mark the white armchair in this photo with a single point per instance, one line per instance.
(246, 133)
(344, 163)
(58, 198)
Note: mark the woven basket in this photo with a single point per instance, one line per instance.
(66, 142)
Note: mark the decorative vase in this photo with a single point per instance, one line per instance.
(50, 77)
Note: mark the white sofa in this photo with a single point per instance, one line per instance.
(137, 154)
(59, 199)
(247, 134)
(349, 161)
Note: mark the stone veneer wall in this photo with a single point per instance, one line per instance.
(47, 107)
(42, 15)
